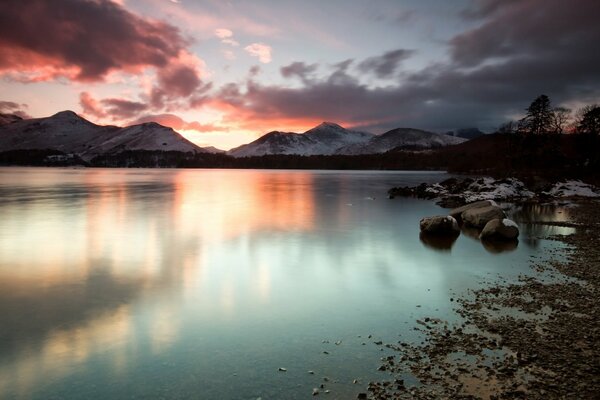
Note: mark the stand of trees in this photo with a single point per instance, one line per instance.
(541, 118)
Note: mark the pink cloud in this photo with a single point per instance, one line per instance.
(81, 40)
(261, 51)
(177, 123)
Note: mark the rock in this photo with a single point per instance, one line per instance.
(439, 225)
(480, 216)
(281, 369)
(362, 396)
(315, 392)
(457, 212)
(504, 229)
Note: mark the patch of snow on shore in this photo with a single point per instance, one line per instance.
(573, 189)
(490, 189)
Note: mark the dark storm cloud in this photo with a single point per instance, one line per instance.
(300, 70)
(385, 65)
(512, 30)
(122, 109)
(10, 107)
(519, 50)
(114, 108)
(93, 36)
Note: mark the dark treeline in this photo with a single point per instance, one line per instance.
(408, 160)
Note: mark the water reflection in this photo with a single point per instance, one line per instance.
(496, 246)
(169, 280)
(531, 217)
(438, 242)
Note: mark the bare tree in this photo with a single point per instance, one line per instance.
(560, 119)
(508, 127)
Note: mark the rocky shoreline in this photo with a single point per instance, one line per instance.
(456, 192)
(535, 339)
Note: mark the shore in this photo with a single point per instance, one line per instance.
(536, 339)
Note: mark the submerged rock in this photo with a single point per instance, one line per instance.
(439, 225)
(504, 229)
(480, 216)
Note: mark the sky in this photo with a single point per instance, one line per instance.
(223, 73)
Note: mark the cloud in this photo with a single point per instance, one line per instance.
(122, 109)
(177, 123)
(300, 70)
(261, 51)
(228, 54)
(515, 51)
(226, 36)
(80, 40)
(113, 108)
(223, 33)
(10, 107)
(385, 65)
(90, 105)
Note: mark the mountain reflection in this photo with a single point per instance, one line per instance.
(109, 275)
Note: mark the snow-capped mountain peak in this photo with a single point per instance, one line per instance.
(402, 138)
(72, 134)
(325, 138)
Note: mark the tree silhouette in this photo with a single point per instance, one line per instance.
(539, 116)
(590, 120)
(560, 119)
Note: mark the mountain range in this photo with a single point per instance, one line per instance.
(69, 133)
(329, 138)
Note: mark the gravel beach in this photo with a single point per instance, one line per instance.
(535, 339)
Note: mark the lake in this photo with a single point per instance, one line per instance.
(202, 284)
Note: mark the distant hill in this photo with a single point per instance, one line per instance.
(323, 139)
(467, 133)
(6, 119)
(69, 133)
(401, 139)
(330, 138)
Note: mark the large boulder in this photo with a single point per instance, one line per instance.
(480, 216)
(457, 212)
(503, 229)
(439, 225)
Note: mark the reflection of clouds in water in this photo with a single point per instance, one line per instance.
(129, 264)
(64, 350)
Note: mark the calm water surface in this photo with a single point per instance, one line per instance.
(187, 284)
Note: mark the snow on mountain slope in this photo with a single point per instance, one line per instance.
(6, 119)
(401, 138)
(275, 143)
(325, 138)
(70, 133)
(331, 136)
(148, 136)
(64, 131)
(212, 150)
